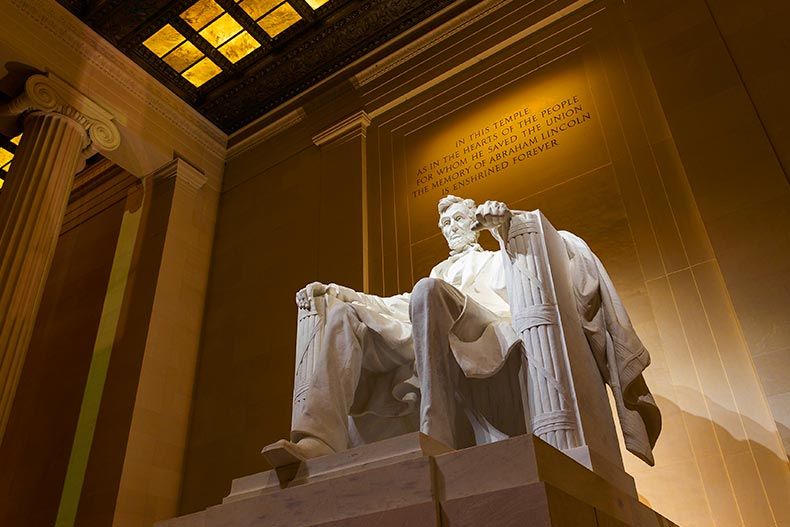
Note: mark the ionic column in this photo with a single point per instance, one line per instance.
(61, 128)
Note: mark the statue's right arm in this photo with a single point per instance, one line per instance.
(394, 305)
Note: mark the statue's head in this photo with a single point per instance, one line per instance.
(456, 217)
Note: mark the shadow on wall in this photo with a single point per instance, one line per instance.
(723, 468)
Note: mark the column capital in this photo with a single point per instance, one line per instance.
(49, 93)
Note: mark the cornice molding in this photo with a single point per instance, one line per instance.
(184, 173)
(355, 125)
(267, 132)
(493, 50)
(99, 53)
(49, 93)
(418, 46)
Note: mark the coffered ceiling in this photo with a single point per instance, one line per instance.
(234, 60)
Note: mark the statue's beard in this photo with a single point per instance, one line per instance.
(461, 242)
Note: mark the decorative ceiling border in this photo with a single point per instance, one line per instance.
(94, 49)
(238, 106)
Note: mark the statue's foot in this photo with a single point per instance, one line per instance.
(284, 453)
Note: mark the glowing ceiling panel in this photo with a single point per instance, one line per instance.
(221, 30)
(199, 15)
(183, 56)
(202, 72)
(315, 4)
(279, 20)
(239, 47)
(6, 156)
(164, 40)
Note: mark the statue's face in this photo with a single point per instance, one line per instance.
(456, 223)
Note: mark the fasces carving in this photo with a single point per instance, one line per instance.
(535, 317)
(442, 353)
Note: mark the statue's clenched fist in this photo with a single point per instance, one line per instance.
(491, 215)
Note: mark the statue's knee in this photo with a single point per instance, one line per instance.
(428, 289)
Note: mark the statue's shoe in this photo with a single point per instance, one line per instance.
(284, 452)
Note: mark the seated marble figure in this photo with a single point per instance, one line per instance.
(413, 354)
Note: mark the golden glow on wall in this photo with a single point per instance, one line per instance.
(185, 52)
(520, 140)
(6, 156)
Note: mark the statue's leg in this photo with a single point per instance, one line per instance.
(434, 306)
(324, 413)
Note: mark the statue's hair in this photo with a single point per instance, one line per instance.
(450, 200)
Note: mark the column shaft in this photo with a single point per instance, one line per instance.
(32, 204)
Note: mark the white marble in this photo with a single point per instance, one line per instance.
(542, 307)
(412, 480)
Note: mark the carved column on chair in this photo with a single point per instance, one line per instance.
(533, 305)
(61, 127)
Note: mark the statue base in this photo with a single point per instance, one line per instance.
(415, 480)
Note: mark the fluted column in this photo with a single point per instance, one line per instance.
(61, 128)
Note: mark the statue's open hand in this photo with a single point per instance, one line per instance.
(491, 215)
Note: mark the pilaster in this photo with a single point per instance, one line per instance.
(344, 202)
(162, 406)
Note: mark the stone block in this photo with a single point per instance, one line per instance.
(413, 480)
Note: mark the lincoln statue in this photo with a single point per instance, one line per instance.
(419, 357)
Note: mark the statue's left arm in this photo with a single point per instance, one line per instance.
(495, 217)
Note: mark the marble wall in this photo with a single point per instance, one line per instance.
(675, 178)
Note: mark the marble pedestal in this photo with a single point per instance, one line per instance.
(415, 481)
